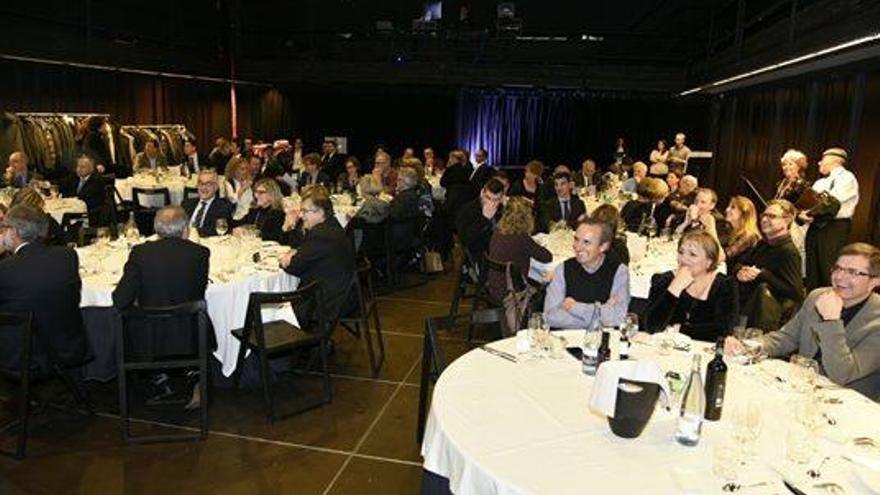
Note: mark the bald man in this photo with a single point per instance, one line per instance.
(829, 223)
(17, 173)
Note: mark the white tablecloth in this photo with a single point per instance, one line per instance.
(497, 427)
(174, 183)
(646, 259)
(58, 207)
(233, 276)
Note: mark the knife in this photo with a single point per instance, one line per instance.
(501, 354)
(792, 488)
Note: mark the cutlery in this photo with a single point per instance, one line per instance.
(735, 487)
(792, 488)
(501, 354)
(830, 487)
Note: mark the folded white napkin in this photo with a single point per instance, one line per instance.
(603, 398)
(637, 246)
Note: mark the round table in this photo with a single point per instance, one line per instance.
(176, 185)
(59, 206)
(233, 276)
(498, 427)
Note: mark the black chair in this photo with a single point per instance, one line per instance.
(434, 360)
(144, 215)
(471, 285)
(357, 322)
(23, 323)
(196, 314)
(191, 192)
(406, 241)
(270, 339)
(72, 224)
(118, 210)
(374, 243)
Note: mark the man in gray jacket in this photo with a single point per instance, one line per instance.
(838, 326)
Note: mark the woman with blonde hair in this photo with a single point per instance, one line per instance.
(238, 184)
(744, 234)
(793, 183)
(55, 235)
(512, 242)
(267, 215)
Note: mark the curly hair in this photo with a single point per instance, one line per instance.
(517, 217)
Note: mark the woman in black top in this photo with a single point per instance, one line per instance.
(267, 215)
(703, 301)
(347, 181)
(529, 186)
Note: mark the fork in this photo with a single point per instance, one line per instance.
(831, 488)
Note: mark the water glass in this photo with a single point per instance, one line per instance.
(102, 237)
(221, 226)
(630, 325)
(799, 445)
(726, 461)
(803, 373)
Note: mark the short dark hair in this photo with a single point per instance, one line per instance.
(607, 235)
(193, 142)
(562, 175)
(607, 213)
(494, 186)
(855, 249)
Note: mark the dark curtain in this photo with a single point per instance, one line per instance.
(558, 126)
(756, 126)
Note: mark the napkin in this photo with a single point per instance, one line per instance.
(604, 394)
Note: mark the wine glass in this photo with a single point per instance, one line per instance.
(630, 325)
(803, 373)
(222, 226)
(53, 192)
(726, 462)
(747, 427)
(102, 236)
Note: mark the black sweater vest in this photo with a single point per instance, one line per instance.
(587, 287)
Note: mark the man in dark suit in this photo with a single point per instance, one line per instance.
(565, 207)
(324, 255)
(481, 171)
(194, 160)
(166, 272)
(332, 162)
(86, 185)
(204, 211)
(43, 280)
(18, 174)
(589, 175)
(313, 175)
(476, 220)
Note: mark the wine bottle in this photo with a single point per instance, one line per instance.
(623, 348)
(716, 378)
(693, 404)
(604, 352)
(590, 351)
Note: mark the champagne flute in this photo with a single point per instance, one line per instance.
(630, 325)
(222, 226)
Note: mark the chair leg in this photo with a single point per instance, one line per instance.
(379, 338)
(328, 386)
(203, 390)
(123, 402)
(427, 353)
(368, 343)
(266, 378)
(74, 387)
(457, 295)
(239, 365)
(24, 397)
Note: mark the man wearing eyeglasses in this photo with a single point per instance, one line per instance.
(204, 211)
(769, 275)
(838, 326)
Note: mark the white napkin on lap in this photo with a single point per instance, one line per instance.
(603, 398)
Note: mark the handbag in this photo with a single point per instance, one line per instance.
(432, 262)
(515, 305)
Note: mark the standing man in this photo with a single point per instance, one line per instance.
(204, 211)
(830, 220)
(679, 155)
(481, 171)
(332, 162)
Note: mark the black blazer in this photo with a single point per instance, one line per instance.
(481, 176)
(204, 163)
(267, 220)
(92, 193)
(702, 320)
(475, 230)
(459, 190)
(551, 211)
(634, 211)
(326, 255)
(165, 272)
(333, 165)
(44, 280)
(305, 179)
(220, 208)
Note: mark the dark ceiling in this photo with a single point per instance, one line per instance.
(622, 45)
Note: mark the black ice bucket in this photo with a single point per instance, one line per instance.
(635, 405)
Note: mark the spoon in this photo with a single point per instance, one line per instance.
(735, 487)
(817, 473)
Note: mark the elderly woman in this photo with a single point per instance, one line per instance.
(793, 183)
(637, 214)
(55, 235)
(744, 233)
(512, 242)
(695, 296)
(373, 209)
(238, 186)
(267, 215)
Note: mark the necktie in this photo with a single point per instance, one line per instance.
(200, 215)
(80, 185)
(565, 212)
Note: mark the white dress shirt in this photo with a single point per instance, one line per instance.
(842, 184)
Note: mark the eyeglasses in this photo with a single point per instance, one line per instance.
(311, 210)
(772, 216)
(206, 184)
(850, 272)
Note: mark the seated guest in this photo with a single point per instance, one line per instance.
(166, 272)
(589, 175)
(477, 219)
(640, 171)
(793, 183)
(588, 282)
(238, 186)
(512, 242)
(672, 180)
(422, 188)
(87, 186)
(548, 187)
(17, 174)
(646, 214)
(324, 255)
(54, 235)
(348, 180)
(563, 206)
(695, 296)
(769, 274)
(267, 215)
(149, 160)
(275, 171)
(608, 213)
(204, 211)
(43, 280)
(702, 215)
(838, 326)
(385, 172)
(682, 198)
(744, 234)
(529, 186)
(372, 209)
(313, 175)
(405, 203)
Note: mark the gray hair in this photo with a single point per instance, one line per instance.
(210, 171)
(690, 179)
(370, 185)
(409, 176)
(170, 221)
(30, 223)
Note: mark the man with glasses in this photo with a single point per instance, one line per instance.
(838, 326)
(204, 212)
(769, 275)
